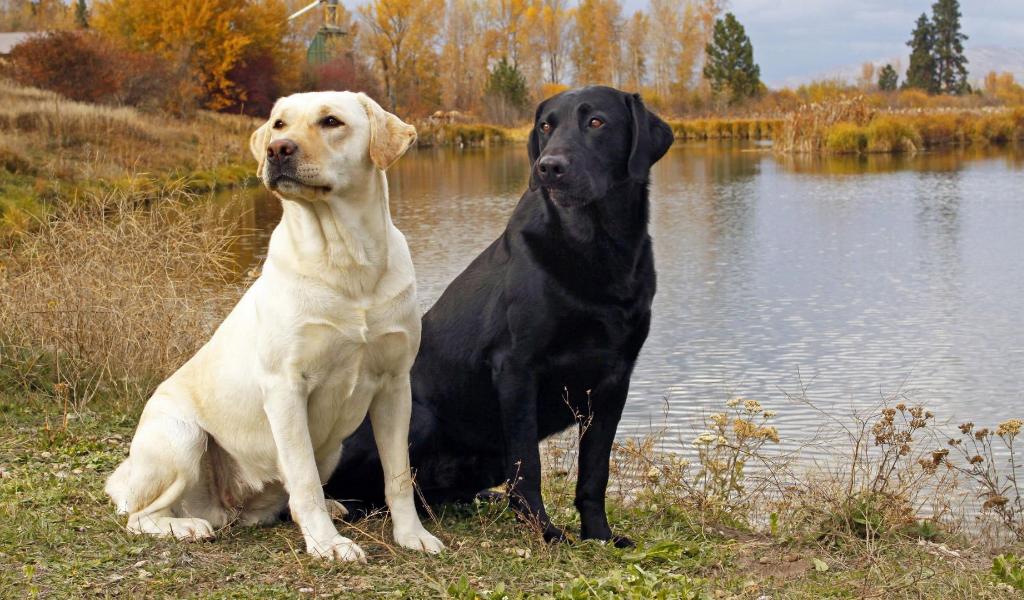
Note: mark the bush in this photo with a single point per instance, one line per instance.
(846, 138)
(85, 67)
(888, 134)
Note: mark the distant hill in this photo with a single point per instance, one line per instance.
(980, 60)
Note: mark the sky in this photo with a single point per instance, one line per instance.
(796, 39)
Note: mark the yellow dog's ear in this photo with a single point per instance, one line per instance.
(258, 145)
(390, 137)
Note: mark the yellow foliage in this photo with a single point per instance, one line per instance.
(401, 36)
(207, 38)
(551, 89)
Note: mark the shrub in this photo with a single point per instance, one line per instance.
(890, 134)
(846, 138)
(84, 66)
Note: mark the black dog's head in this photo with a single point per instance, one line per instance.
(587, 140)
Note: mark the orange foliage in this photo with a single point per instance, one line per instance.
(207, 39)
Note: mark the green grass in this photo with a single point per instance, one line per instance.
(59, 537)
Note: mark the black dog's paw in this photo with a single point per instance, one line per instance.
(619, 541)
(554, 535)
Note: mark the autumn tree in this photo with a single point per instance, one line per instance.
(596, 52)
(206, 39)
(553, 37)
(402, 36)
(867, 76)
(664, 45)
(888, 79)
(921, 72)
(948, 48)
(705, 13)
(692, 41)
(635, 51)
(730, 68)
(464, 55)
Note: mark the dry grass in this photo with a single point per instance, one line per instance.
(56, 150)
(113, 292)
(721, 129)
(853, 126)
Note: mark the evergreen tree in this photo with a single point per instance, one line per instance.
(888, 79)
(948, 48)
(921, 72)
(729, 65)
(81, 14)
(506, 95)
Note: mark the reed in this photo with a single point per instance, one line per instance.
(852, 126)
(721, 129)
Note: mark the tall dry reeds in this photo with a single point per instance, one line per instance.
(113, 293)
(853, 126)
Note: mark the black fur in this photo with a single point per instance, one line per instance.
(542, 330)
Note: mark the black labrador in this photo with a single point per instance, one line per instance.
(542, 330)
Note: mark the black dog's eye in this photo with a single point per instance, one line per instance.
(278, 124)
(330, 121)
(546, 127)
(596, 123)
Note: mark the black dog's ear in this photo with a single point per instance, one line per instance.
(652, 138)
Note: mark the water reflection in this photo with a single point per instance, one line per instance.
(843, 278)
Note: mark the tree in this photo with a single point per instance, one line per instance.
(596, 52)
(554, 38)
(402, 36)
(888, 79)
(506, 96)
(730, 68)
(206, 39)
(664, 45)
(921, 72)
(81, 14)
(635, 48)
(948, 48)
(464, 54)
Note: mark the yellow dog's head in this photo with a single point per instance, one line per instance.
(320, 143)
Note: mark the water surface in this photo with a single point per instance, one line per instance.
(843, 280)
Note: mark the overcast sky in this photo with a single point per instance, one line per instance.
(797, 38)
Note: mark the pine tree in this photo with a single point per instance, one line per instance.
(506, 95)
(888, 79)
(81, 14)
(730, 66)
(921, 72)
(948, 48)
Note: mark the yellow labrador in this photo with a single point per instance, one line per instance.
(327, 333)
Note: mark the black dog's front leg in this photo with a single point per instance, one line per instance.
(597, 435)
(517, 396)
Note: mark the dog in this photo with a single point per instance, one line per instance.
(543, 328)
(325, 336)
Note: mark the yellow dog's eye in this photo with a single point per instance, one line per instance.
(278, 124)
(596, 123)
(546, 127)
(331, 122)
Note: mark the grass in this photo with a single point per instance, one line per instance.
(853, 126)
(60, 538)
(107, 295)
(56, 150)
(718, 129)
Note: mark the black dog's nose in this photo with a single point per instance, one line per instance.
(279, 150)
(551, 168)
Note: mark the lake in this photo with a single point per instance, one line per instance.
(841, 281)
